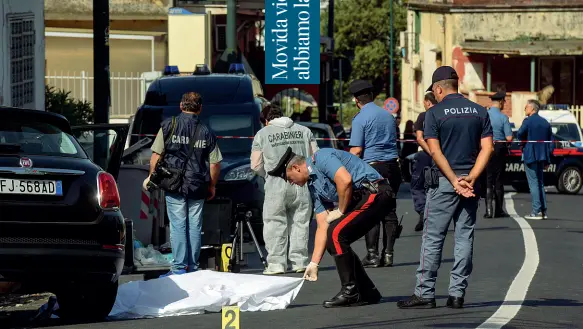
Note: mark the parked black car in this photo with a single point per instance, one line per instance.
(61, 229)
(232, 105)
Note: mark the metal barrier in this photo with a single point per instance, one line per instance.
(127, 89)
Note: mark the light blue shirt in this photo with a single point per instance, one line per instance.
(375, 130)
(500, 124)
(322, 167)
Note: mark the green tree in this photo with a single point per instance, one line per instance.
(76, 111)
(361, 34)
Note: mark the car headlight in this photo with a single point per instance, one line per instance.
(240, 173)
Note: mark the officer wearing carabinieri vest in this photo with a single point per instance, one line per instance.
(459, 135)
(374, 139)
(502, 134)
(187, 148)
(363, 198)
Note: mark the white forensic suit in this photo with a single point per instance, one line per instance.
(287, 208)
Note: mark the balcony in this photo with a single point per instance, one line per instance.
(242, 4)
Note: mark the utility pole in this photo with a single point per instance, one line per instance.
(101, 87)
(391, 47)
(232, 29)
(330, 82)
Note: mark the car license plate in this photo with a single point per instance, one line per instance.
(31, 186)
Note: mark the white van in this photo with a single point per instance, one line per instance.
(565, 125)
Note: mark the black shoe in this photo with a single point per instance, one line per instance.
(419, 226)
(416, 302)
(387, 259)
(501, 214)
(349, 294)
(371, 259)
(455, 302)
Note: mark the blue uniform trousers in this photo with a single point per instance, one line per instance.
(418, 190)
(443, 205)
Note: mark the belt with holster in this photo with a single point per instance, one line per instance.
(377, 186)
(431, 177)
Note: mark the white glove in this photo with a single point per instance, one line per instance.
(311, 273)
(334, 215)
(145, 184)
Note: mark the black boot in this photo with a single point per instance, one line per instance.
(366, 287)
(387, 259)
(416, 302)
(489, 200)
(455, 302)
(419, 226)
(499, 209)
(349, 294)
(371, 238)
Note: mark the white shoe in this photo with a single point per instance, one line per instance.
(270, 272)
(538, 216)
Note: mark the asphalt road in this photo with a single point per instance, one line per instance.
(549, 282)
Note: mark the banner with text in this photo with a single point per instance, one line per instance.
(292, 41)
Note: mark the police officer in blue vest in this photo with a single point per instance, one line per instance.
(363, 198)
(459, 135)
(497, 165)
(185, 143)
(374, 139)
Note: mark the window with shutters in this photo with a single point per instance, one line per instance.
(22, 43)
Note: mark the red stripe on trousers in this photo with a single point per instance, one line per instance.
(347, 220)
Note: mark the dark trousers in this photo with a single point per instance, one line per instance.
(391, 171)
(365, 211)
(494, 176)
(418, 190)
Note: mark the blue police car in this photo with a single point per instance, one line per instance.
(232, 105)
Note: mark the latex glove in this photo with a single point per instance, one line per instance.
(311, 273)
(333, 215)
(145, 184)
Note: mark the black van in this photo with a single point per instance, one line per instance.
(232, 105)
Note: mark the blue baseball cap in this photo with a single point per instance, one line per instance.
(443, 73)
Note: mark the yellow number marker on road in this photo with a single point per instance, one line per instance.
(230, 317)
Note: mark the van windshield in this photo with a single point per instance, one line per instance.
(566, 131)
(240, 125)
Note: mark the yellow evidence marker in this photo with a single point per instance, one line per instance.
(230, 317)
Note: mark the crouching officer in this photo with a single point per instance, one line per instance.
(459, 135)
(374, 139)
(363, 198)
(497, 165)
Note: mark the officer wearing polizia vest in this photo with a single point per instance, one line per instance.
(374, 139)
(363, 198)
(497, 165)
(459, 135)
(185, 142)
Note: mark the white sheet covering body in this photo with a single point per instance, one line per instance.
(201, 291)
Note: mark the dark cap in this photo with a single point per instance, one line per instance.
(443, 73)
(280, 169)
(359, 87)
(498, 96)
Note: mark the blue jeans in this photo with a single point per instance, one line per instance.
(185, 217)
(534, 174)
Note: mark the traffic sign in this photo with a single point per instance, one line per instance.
(391, 105)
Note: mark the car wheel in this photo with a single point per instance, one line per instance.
(570, 180)
(521, 187)
(87, 301)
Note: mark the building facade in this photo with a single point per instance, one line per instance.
(22, 52)
(514, 45)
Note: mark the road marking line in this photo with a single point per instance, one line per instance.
(519, 287)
